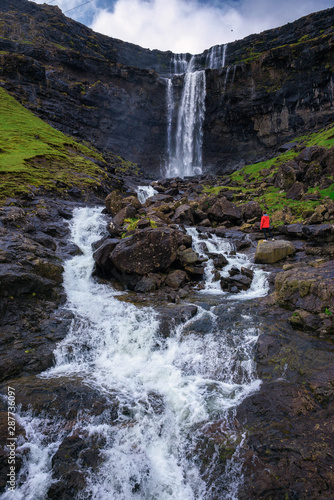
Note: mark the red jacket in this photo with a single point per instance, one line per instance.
(264, 222)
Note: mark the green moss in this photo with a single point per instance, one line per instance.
(33, 154)
(248, 180)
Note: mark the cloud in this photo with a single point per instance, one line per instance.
(186, 25)
(193, 26)
(176, 25)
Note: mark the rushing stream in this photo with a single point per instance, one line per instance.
(170, 391)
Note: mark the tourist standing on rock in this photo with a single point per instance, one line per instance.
(265, 225)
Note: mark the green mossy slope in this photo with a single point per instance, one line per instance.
(252, 183)
(33, 156)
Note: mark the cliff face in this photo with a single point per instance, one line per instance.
(78, 82)
(275, 85)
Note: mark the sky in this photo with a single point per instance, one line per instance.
(185, 25)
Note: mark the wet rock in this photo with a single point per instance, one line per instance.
(147, 251)
(176, 279)
(247, 272)
(233, 271)
(187, 256)
(147, 284)
(241, 281)
(269, 252)
(171, 317)
(158, 199)
(219, 261)
(101, 254)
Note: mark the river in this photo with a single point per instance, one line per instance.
(171, 392)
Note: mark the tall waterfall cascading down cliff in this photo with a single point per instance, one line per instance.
(168, 391)
(185, 125)
(185, 145)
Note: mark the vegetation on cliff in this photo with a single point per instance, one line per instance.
(33, 156)
(258, 182)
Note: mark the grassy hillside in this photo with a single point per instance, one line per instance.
(253, 182)
(34, 155)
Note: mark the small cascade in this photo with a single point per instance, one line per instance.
(216, 57)
(185, 138)
(179, 64)
(222, 246)
(167, 392)
(144, 192)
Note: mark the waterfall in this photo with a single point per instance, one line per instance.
(185, 130)
(144, 192)
(169, 391)
(185, 148)
(216, 57)
(179, 64)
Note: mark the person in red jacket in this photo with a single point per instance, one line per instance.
(265, 225)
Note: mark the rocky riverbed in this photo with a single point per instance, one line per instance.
(149, 256)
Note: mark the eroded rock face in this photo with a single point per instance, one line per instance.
(108, 91)
(34, 244)
(290, 419)
(269, 252)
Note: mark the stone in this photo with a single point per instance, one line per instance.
(269, 252)
(286, 175)
(318, 216)
(101, 254)
(114, 203)
(127, 212)
(296, 191)
(247, 272)
(187, 256)
(195, 271)
(184, 215)
(176, 279)
(146, 284)
(308, 288)
(149, 250)
(224, 210)
(219, 261)
(251, 210)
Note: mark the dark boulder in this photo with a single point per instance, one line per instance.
(296, 191)
(149, 250)
(251, 211)
(184, 215)
(176, 279)
(101, 254)
(127, 212)
(224, 210)
(286, 175)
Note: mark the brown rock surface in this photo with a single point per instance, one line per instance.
(269, 252)
(149, 250)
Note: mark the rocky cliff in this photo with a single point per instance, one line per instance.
(275, 85)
